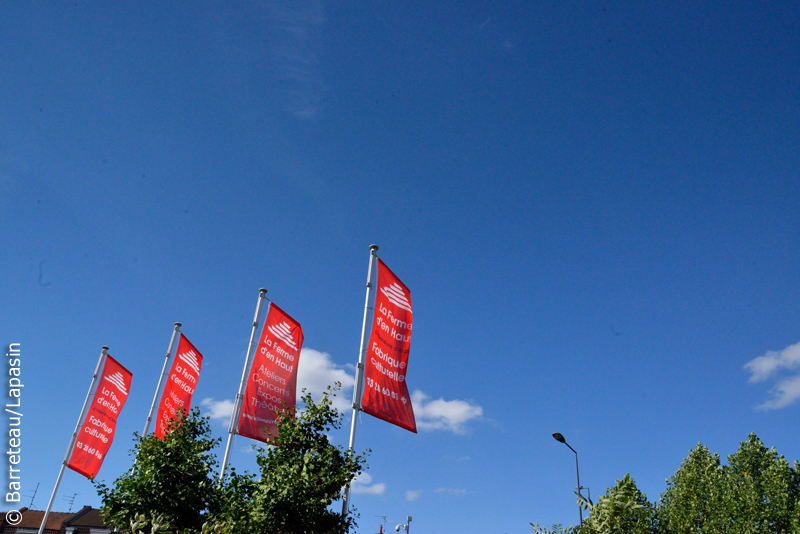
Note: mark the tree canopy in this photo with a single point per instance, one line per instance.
(173, 487)
(757, 492)
(303, 474)
(172, 478)
(622, 510)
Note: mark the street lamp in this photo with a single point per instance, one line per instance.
(559, 438)
(398, 528)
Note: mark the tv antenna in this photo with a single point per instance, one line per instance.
(383, 528)
(33, 496)
(71, 501)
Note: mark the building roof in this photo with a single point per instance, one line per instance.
(33, 519)
(85, 517)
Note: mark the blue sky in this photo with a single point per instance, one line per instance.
(594, 205)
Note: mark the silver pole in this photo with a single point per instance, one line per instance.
(578, 476)
(358, 387)
(158, 389)
(72, 440)
(161, 379)
(237, 403)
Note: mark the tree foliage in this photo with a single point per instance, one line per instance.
(303, 474)
(173, 487)
(693, 501)
(172, 478)
(622, 510)
(761, 490)
(558, 528)
(757, 492)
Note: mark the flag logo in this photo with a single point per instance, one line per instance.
(118, 381)
(284, 333)
(190, 358)
(396, 296)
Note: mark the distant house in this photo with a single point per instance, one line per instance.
(84, 521)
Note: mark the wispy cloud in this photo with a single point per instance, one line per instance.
(413, 495)
(774, 364)
(785, 393)
(316, 371)
(451, 491)
(296, 29)
(361, 485)
(440, 414)
(218, 410)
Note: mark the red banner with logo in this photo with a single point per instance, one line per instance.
(272, 382)
(181, 383)
(385, 390)
(96, 433)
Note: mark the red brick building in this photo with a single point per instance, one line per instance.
(84, 521)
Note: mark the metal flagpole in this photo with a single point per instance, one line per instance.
(237, 404)
(158, 387)
(358, 388)
(103, 354)
(175, 333)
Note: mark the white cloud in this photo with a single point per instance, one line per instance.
(361, 486)
(413, 495)
(440, 414)
(766, 366)
(218, 410)
(786, 392)
(451, 491)
(316, 371)
(770, 365)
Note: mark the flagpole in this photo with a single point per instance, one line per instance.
(237, 404)
(358, 387)
(175, 333)
(103, 354)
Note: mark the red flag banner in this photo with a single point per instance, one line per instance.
(385, 390)
(97, 431)
(180, 385)
(272, 382)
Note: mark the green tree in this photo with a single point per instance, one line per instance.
(173, 488)
(761, 490)
(303, 474)
(757, 492)
(171, 482)
(622, 510)
(694, 499)
(232, 509)
(555, 529)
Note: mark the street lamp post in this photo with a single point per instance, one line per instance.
(558, 437)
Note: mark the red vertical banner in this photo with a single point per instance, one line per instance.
(181, 383)
(272, 381)
(385, 390)
(97, 431)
